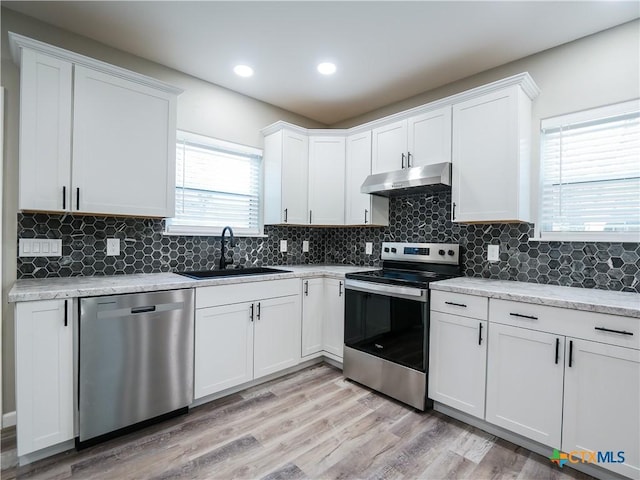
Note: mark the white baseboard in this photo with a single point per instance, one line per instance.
(9, 419)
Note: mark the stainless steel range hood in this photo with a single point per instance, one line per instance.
(428, 178)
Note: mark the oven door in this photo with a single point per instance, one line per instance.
(388, 321)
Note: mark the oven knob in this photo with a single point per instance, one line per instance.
(451, 253)
(440, 252)
(386, 249)
(393, 250)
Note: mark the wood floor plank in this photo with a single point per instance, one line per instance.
(503, 461)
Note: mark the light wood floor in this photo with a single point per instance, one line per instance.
(310, 424)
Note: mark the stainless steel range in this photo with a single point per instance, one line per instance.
(387, 319)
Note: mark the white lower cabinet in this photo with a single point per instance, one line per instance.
(244, 332)
(524, 382)
(333, 326)
(312, 315)
(44, 374)
(602, 403)
(458, 362)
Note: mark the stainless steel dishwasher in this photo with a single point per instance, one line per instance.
(135, 361)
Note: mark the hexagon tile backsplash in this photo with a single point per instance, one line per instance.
(413, 218)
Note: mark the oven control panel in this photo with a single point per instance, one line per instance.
(447, 253)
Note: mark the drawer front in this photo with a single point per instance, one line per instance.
(471, 306)
(217, 295)
(599, 327)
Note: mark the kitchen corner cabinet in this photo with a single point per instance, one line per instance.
(44, 374)
(243, 332)
(286, 171)
(491, 157)
(94, 138)
(362, 208)
(326, 180)
(458, 359)
(419, 140)
(333, 326)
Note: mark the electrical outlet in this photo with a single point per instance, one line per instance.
(36, 247)
(305, 246)
(113, 246)
(283, 246)
(493, 253)
(368, 248)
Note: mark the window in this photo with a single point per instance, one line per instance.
(590, 175)
(217, 184)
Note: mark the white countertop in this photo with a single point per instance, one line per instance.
(69, 287)
(586, 299)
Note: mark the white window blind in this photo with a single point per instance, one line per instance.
(217, 184)
(590, 185)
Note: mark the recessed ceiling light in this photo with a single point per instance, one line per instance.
(327, 68)
(243, 70)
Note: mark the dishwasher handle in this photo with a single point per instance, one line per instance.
(147, 309)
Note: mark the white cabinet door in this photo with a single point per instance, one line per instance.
(44, 374)
(313, 300)
(601, 403)
(490, 157)
(333, 328)
(358, 205)
(295, 167)
(223, 348)
(458, 362)
(389, 147)
(326, 180)
(429, 137)
(45, 132)
(123, 146)
(277, 334)
(524, 382)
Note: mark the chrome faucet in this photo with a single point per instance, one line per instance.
(232, 243)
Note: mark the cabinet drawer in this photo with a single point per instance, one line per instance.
(599, 327)
(216, 295)
(462, 304)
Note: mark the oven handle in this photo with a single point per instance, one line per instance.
(389, 290)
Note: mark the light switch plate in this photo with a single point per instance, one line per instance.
(39, 247)
(368, 248)
(113, 246)
(283, 246)
(305, 246)
(493, 253)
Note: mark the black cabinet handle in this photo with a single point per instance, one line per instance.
(306, 288)
(570, 352)
(251, 316)
(258, 314)
(621, 332)
(557, 350)
(456, 304)
(480, 334)
(310, 216)
(66, 314)
(403, 160)
(285, 214)
(78, 198)
(530, 317)
(340, 289)
(408, 159)
(365, 215)
(453, 211)
(64, 197)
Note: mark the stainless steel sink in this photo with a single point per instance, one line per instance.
(236, 272)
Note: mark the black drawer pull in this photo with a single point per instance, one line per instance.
(557, 350)
(621, 332)
(456, 304)
(530, 317)
(151, 308)
(480, 335)
(570, 353)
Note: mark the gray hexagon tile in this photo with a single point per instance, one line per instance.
(413, 218)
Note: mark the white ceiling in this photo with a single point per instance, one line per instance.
(385, 51)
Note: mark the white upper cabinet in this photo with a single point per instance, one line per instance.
(124, 141)
(362, 208)
(286, 167)
(45, 132)
(94, 138)
(491, 150)
(422, 139)
(326, 180)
